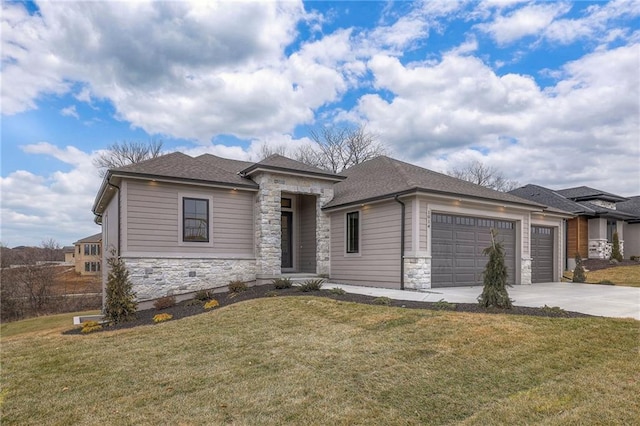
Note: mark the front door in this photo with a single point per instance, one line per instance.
(286, 238)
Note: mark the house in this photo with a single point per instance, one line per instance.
(597, 217)
(88, 255)
(182, 224)
(69, 254)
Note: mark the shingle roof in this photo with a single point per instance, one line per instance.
(587, 193)
(631, 206)
(383, 176)
(91, 239)
(551, 198)
(279, 163)
(205, 168)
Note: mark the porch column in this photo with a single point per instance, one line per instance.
(267, 229)
(323, 232)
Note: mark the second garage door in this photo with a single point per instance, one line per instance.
(457, 245)
(541, 254)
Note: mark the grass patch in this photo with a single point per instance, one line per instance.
(628, 276)
(40, 324)
(292, 360)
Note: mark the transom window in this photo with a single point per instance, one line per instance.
(353, 232)
(195, 220)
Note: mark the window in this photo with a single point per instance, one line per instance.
(612, 226)
(95, 249)
(353, 232)
(195, 220)
(87, 249)
(78, 249)
(285, 203)
(87, 266)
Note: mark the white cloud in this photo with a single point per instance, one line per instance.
(526, 21)
(70, 111)
(576, 132)
(36, 208)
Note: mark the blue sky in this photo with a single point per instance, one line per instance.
(547, 92)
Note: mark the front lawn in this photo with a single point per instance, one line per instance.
(308, 360)
(628, 276)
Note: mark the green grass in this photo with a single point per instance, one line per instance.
(47, 323)
(628, 276)
(305, 360)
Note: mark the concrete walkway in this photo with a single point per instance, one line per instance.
(592, 299)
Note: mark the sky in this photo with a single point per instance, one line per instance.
(546, 92)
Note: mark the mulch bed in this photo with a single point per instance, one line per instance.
(190, 307)
(597, 264)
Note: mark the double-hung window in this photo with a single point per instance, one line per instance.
(195, 220)
(353, 232)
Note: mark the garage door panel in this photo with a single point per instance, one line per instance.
(458, 259)
(541, 254)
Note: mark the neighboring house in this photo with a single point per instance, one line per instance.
(69, 254)
(88, 255)
(597, 217)
(631, 227)
(182, 224)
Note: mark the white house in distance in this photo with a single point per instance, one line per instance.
(182, 224)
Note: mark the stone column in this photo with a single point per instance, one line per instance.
(323, 233)
(525, 271)
(417, 273)
(267, 230)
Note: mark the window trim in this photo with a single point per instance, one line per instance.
(197, 196)
(358, 250)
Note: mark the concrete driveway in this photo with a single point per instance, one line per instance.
(592, 299)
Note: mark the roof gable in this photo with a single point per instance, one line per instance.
(382, 177)
(96, 238)
(279, 163)
(583, 193)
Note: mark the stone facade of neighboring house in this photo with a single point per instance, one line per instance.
(182, 224)
(598, 215)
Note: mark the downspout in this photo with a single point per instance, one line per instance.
(402, 214)
(566, 244)
(119, 214)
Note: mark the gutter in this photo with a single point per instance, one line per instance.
(402, 225)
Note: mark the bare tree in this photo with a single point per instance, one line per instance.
(51, 250)
(343, 147)
(128, 152)
(335, 148)
(477, 172)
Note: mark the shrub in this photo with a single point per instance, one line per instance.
(194, 302)
(615, 249)
(162, 317)
(338, 291)
(90, 326)
(237, 286)
(164, 302)
(578, 272)
(271, 293)
(635, 258)
(443, 305)
(494, 293)
(311, 285)
(382, 301)
(120, 302)
(203, 295)
(554, 310)
(606, 282)
(211, 304)
(281, 283)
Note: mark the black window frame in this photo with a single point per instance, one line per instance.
(352, 232)
(186, 217)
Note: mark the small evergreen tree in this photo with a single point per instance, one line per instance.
(120, 304)
(495, 292)
(578, 273)
(615, 250)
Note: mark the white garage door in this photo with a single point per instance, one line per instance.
(457, 245)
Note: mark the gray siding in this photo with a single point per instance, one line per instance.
(153, 224)
(631, 240)
(378, 263)
(307, 240)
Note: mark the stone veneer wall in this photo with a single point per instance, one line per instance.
(602, 249)
(417, 273)
(154, 278)
(267, 225)
(525, 270)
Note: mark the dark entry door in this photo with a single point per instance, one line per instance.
(286, 238)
